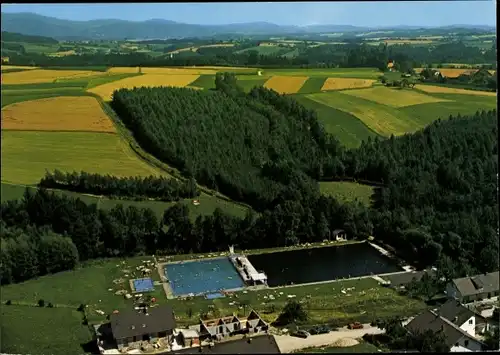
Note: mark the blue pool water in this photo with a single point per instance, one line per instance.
(203, 276)
(144, 285)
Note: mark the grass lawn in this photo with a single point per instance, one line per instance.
(35, 330)
(325, 302)
(207, 203)
(362, 347)
(26, 155)
(382, 119)
(312, 85)
(347, 128)
(249, 84)
(205, 82)
(345, 191)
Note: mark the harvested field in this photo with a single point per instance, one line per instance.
(361, 73)
(44, 76)
(26, 155)
(434, 89)
(346, 83)
(394, 97)
(286, 84)
(69, 113)
(106, 91)
(62, 54)
(8, 67)
(453, 72)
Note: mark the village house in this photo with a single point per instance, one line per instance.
(147, 324)
(464, 318)
(220, 328)
(457, 339)
(474, 288)
(260, 344)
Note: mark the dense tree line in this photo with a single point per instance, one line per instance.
(440, 196)
(256, 147)
(161, 188)
(481, 79)
(328, 55)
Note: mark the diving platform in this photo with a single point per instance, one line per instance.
(246, 270)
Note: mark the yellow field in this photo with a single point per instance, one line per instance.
(393, 97)
(65, 113)
(346, 83)
(44, 76)
(446, 90)
(454, 73)
(62, 54)
(286, 84)
(105, 91)
(7, 67)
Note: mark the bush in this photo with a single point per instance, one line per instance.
(81, 308)
(41, 303)
(50, 305)
(8, 303)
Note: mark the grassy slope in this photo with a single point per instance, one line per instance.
(312, 85)
(347, 191)
(348, 129)
(35, 330)
(205, 82)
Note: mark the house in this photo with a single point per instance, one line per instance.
(339, 234)
(474, 288)
(189, 337)
(464, 318)
(457, 339)
(148, 324)
(227, 326)
(390, 66)
(261, 344)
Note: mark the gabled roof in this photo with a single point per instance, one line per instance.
(430, 320)
(455, 312)
(485, 283)
(134, 323)
(261, 344)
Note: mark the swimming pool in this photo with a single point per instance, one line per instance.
(203, 276)
(143, 285)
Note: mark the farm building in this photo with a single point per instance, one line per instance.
(390, 65)
(463, 317)
(261, 344)
(474, 288)
(457, 339)
(149, 324)
(220, 328)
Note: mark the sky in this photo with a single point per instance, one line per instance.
(412, 13)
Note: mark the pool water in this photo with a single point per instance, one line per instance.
(143, 285)
(203, 276)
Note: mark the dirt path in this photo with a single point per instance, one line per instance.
(288, 343)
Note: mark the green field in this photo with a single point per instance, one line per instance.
(312, 85)
(207, 204)
(361, 73)
(26, 155)
(347, 128)
(204, 81)
(362, 347)
(14, 96)
(325, 302)
(35, 330)
(382, 119)
(347, 191)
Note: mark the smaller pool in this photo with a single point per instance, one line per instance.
(144, 285)
(212, 296)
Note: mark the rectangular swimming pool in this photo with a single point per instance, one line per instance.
(143, 285)
(203, 276)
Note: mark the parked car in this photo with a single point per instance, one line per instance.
(355, 325)
(320, 330)
(300, 334)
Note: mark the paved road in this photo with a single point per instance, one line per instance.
(288, 343)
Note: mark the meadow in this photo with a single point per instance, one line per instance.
(394, 97)
(82, 113)
(347, 128)
(435, 89)
(36, 330)
(357, 73)
(345, 191)
(43, 76)
(26, 155)
(312, 85)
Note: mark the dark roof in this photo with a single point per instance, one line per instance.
(485, 283)
(455, 312)
(261, 344)
(134, 323)
(432, 321)
(337, 231)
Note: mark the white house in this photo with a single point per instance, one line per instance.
(459, 340)
(463, 317)
(474, 288)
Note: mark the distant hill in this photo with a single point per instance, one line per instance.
(113, 29)
(18, 37)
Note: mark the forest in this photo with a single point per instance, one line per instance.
(437, 205)
(259, 148)
(347, 55)
(160, 188)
